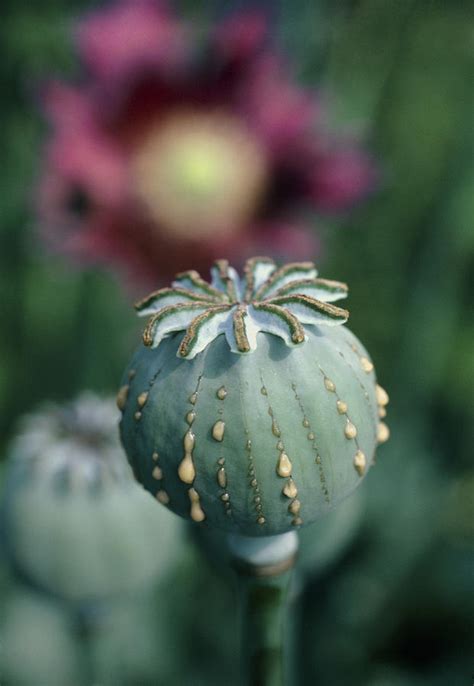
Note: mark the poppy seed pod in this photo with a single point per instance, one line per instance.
(265, 413)
(74, 523)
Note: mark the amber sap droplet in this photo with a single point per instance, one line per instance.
(383, 432)
(290, 489)
(276, 429)
(330, 385)
(122, 396)
(186, 470)
(163, 497)
(218, 430)
(261, 520)
(190, 417)
(297, 521)
(189, 441)
(221, 393)
(294, 507)
(142, 398)
(382, 412)
(366, 365)
(311, 436)
(263, 391)
(225, 497)
(193, 398)
(155, 456)
(341, 407)
(350, 431)
(138, 416)
(284, 466)
(381, 395)
(197, 513)
(221, 477)
(360, 462)
(157, 473)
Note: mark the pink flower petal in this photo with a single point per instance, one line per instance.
(87, 161)
(276, 107)
(129, 35)
(341, 178)
(241, 36)
(67, 107)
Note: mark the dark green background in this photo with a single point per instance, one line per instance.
(395, 610)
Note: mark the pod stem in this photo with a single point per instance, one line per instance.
(85, 630)
(263, 568)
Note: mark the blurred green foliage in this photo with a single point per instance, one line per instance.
(394, 611)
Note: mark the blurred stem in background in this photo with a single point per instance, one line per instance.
(85, 632)
(438, 303)
(87, 323)
(12, 322)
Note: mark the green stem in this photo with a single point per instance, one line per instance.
(263, 567)
(85, 633)
(263, 618)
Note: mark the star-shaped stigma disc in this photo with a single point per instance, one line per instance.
(278, 301)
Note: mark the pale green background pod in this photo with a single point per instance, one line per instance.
(263, 441)
(73, 521)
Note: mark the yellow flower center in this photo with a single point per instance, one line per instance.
(199, 173)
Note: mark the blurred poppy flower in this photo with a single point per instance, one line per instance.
(175, 149)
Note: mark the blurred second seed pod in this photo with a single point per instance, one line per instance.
(74, 523)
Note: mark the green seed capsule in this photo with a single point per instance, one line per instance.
(280, 392)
